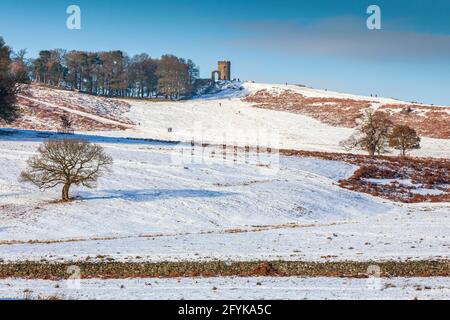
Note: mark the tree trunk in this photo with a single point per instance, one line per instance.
(65, 192)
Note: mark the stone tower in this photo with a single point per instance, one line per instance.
(224, 68)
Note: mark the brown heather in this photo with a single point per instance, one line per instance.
(429, 121)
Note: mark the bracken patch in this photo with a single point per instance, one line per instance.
(422, 173)
(428, 121)
(332, 111)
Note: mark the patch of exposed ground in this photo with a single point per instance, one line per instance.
(429, 121)
(122, 270)
(108, 108)
(332, 111)
(408, 180)
(36, 116)
(41, 108)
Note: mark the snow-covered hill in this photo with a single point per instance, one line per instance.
(285, 116)
(157, 205)
(228, 116)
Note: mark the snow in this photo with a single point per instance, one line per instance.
(209, 210)
(224, 117)
(267, 288)
(206, 121)
(148, 182)
(413, 235)
(166, 202)
(218, 117)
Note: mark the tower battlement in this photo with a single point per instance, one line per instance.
(223, 71)
(224, 68)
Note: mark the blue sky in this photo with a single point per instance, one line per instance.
(322, 43)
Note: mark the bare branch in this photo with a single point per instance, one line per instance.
(66, 162)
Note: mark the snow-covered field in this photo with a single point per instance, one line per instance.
(157, 208)
(231, 289)
(157, 205)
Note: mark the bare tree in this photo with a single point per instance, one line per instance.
(67, 162)
(19, 67)
(404, 138)
(372, 134)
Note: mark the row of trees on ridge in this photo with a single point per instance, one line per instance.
(115, 74)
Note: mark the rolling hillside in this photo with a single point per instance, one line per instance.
(176, 195)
